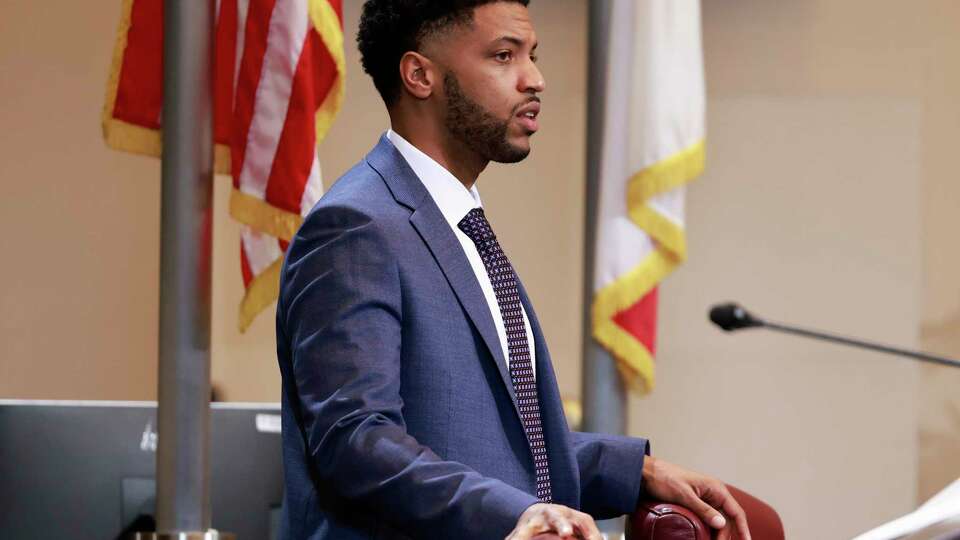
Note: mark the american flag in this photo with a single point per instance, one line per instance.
(278, 84)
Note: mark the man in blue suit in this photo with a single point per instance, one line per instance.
(419, 400)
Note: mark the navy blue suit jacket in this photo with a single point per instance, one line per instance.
(399, 417)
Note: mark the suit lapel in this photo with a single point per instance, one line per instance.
(429, 222)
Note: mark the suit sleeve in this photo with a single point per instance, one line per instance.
(610, 472)
(340, 312)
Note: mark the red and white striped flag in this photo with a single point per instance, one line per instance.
(278, 83)
(653, 145)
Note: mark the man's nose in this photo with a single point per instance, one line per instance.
(532, 80)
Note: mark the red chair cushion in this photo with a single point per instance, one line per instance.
(655, 520)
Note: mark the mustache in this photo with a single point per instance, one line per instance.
(531, 99)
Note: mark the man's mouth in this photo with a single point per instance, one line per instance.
(528, 116)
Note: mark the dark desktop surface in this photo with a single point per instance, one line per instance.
(86, 469)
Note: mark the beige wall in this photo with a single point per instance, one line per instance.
(869, 49)
(78, 281)
(780, 223)
(830, 199)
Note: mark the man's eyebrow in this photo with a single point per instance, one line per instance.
(515, 41)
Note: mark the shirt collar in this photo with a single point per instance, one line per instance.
(453, 198)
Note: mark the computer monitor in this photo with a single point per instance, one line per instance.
(86, 469)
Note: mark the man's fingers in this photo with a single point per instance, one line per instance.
(734, 511)
(531, 528)
(554, 522)
(742, 526)
(705, 496)
(569, 523)
(587, 527)
(560, 523)
(535, 529)
(707, 513)
(739, 517)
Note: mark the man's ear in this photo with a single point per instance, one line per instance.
(418, 74)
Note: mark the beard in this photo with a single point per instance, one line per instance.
(477, 128)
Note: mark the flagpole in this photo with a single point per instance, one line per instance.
(183, 455)
(604, 394)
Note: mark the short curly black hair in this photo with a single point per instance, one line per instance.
(390, 28)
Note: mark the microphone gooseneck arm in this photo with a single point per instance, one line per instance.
(862, 344)
(732, 317)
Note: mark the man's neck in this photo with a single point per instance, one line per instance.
(452, 155)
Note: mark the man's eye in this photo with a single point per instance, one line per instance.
(504, 56)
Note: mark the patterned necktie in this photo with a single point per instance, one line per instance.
(504, 282)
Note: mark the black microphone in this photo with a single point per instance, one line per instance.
(731, 316)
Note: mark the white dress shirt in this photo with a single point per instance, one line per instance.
(455, 200)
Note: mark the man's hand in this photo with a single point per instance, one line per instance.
(705, 496)
(554, 522)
